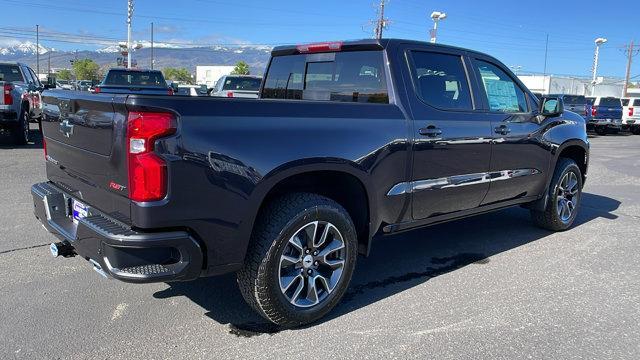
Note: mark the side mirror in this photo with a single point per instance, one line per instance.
(551, 107)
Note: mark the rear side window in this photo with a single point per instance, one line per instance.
(342, 77)
(636, 102)
(503, 94)
(10, 73)
(610, 102)
(625, 102)
(441, 80)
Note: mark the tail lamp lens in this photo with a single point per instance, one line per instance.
(147, 171)
(6, 92)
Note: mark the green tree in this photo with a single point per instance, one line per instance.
(86, 69)
(64, 74)
(182, 75)
(242, 68)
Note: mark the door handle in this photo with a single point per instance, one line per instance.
(502, 130)
(430, 131)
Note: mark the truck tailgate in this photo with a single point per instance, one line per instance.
(85, 136)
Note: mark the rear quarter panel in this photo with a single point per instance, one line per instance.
(229, 153)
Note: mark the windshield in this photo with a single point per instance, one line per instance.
(135, 78)
(242, 83)
(10, 73)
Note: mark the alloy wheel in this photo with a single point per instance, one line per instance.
(311, 264)
(567, 196)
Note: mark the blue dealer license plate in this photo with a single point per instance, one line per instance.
(79, 211)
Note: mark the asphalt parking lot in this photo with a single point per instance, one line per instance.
(493, 286)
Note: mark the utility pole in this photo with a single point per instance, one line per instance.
(382, 22)
(546, 53)
(596, 55)
(129, 16)
(37, 50)
(151, 45)
(630, 52)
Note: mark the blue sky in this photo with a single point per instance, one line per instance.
(514, 31)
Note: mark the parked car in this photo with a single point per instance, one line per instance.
(631, 115)
(576, 103)
(606, 115)
(83, 85)
(133, 81)
(20, 102)
(192, 90)
(64, 84)
(240, 86)
(350, 140)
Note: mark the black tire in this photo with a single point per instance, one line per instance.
(635, 130)
(20, 131)
(601, 130)
(259, 279)
(551, 218)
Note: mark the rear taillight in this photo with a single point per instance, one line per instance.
(594, 111)
(320, 47)
(97, 90)
(147, 171)
(6, 91)
(631, 111)
(229, 93)
(44, 147)
(170, 91)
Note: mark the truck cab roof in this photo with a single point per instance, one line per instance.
(359, 45)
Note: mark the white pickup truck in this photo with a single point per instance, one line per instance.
(631, 115)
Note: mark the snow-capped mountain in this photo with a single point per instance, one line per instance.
(145, 44)
(25, 48)
(165, 55)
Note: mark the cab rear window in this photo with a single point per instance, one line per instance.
(10, 73)
(357, 76)
(135, 78)
(610, 102)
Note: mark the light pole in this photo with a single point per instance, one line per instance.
(516, 68)
(436, 16)
(129, 16)
(596, 55)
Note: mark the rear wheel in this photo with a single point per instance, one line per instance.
(601, 130)
(565, 193)
(300, 261)
(20, 131)
(635, 130)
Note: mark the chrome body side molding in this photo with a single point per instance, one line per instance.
(459, 180)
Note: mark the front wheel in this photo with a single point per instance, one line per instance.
(300, 260)
(565, 193)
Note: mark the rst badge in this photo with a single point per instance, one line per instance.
(116, 186)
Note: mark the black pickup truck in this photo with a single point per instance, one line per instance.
(349, 141)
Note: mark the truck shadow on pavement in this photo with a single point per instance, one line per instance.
(397, 263)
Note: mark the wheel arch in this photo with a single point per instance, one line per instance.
(342, 182)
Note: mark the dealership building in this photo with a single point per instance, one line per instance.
(553, 84)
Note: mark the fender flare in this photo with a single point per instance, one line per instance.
(299, 167)
(541, 204)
